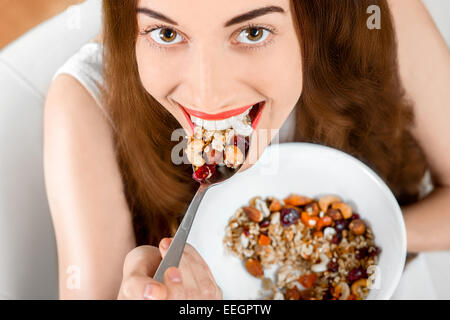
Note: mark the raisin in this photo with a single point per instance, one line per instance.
(265, 223)
(333, 266)
(354, 216)
(361, 253)
(289, 216)
(374, 252)
(356, 274)
(336, 238)
(340, 225)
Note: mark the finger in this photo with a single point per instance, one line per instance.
(142, 288)
(196, 258)
(164, 246)
(203, 277)
(185, 267)
(142, 261)
(174, 283)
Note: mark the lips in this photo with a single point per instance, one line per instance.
(217, 116)
(254, 114)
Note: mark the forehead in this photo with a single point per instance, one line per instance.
(192, 13)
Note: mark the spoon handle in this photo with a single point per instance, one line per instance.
(175, 251)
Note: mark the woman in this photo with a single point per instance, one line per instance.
(113, 190)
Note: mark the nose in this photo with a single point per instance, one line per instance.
(209, 79)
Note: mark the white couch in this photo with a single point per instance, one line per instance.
(28, 262)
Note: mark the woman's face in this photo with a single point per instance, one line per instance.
(212, 56)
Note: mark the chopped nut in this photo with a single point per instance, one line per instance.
(252, 201)
(357, 226)
(358, 285)
(262, 206)
(345, 209)
(325, 202)
(334, 214)
(253, 214)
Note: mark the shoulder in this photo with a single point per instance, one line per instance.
(67, 98)
(85, 191)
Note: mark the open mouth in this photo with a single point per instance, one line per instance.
(254, 114)
(220, 143)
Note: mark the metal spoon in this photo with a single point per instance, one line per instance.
(175, 251)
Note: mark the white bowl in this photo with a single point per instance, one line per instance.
(307, 169)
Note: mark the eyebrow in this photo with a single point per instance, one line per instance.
(241, 18)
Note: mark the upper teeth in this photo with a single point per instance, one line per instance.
(222, 124)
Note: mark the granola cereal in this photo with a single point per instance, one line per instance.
(322, 249)
(223, 143)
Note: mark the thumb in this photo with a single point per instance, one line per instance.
(164, 246)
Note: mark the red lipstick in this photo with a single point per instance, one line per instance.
(217, 116)
(255, 114)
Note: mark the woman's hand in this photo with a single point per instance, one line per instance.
(192, 280)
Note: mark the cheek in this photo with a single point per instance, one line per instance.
(283, 77)
(153, 75)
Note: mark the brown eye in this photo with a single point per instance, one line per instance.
(254, 34)
(167, 35)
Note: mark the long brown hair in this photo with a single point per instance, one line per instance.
(352, 100)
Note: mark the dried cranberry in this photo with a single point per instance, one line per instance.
(241, 142)
(356, 274)
(265, 223)
(361, 253)
(203, 172)
(340, 225)
(374, 252)
(354, 216)
(246, 231)
(289, 216)
(336, 238)
(333, 266)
